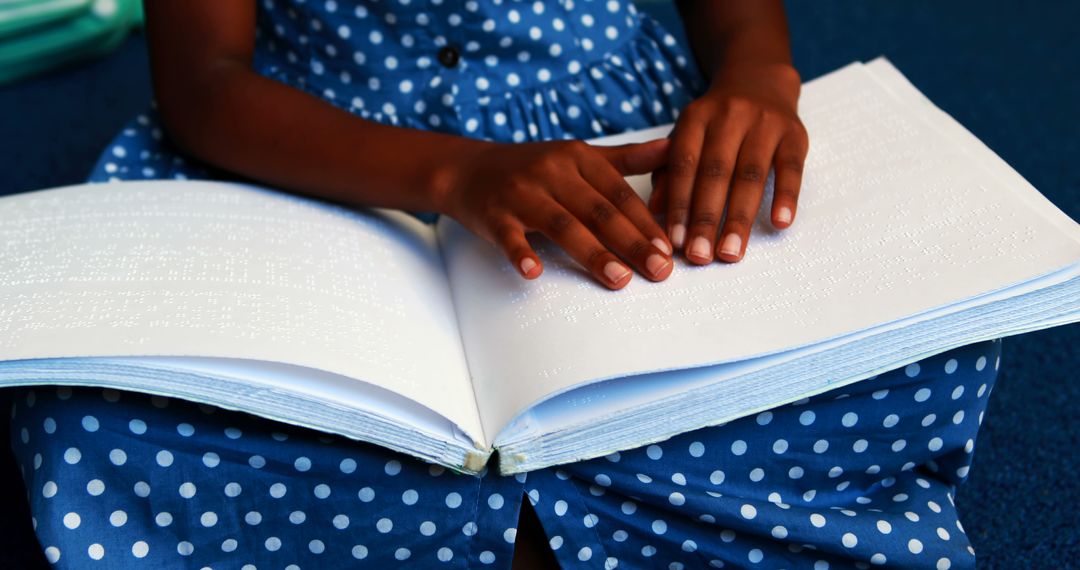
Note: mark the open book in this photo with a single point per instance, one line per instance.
(912, 238)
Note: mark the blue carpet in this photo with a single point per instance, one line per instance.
(1008, 71)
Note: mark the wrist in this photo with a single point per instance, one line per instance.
(779, 79)
(450, 170)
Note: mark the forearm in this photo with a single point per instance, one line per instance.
(242, 122)
(725, 34)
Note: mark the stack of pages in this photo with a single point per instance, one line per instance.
(912, 238)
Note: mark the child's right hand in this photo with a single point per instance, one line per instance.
(571, 192)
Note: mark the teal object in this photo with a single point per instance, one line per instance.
(39, 35)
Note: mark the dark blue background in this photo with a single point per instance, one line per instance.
(1008, 71)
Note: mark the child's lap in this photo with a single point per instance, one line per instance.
(861, 471)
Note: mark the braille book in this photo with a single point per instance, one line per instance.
(912, 238)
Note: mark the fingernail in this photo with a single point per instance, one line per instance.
(615, 272)
(527, 265)
(656, 264)
(783, 215)
(678, 235)
(731, 245)
(662, 246)
(700, 248)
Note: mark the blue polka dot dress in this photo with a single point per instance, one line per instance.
(862, 476)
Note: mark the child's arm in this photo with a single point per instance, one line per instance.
(725, 142)
(218, 109)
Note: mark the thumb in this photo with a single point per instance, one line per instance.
(637, 158)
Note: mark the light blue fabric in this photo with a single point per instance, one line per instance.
(860, 476)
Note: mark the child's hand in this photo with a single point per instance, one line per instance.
(723, 146)
(571, 192)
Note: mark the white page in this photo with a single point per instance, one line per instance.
(224, 270)
(894, 219)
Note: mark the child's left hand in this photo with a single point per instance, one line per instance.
(723, 146)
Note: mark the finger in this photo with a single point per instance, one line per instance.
(788, 166)
(637, 158)
(605, 221)
(711, 185)
(602, 176)
(747, 187)
(509, 234)
(658, 197)
(561, 227)
(686, 142)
